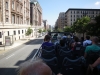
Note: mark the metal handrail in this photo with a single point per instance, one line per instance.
(37, 54)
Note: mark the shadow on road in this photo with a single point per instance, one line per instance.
(13, 71)
(8, 71)
(28, 58)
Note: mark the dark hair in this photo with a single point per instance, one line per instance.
(88, 37)
(65, 34)
(82, 38)
(76, 39)
(95, 39)
(47, 38)
(62, 43)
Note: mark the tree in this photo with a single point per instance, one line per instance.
(29, 31)
(74, 26)
(81, 24)
(44, 30)
(91, 28)
(59, 30)
(40, 30)
(94, 28)
(49, 30)
(68, 29)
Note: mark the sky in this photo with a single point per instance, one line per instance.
(52, 8)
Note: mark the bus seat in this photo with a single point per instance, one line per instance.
(72, 67)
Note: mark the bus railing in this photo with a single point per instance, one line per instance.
(37, 54)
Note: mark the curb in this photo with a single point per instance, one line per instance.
(6, 50)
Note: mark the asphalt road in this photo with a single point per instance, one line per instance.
(10, 61)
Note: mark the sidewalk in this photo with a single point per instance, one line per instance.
(16, 44)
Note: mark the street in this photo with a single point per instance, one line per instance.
(10, 61)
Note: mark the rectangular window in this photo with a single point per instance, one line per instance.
(77, 12)
(6, 19)
(14, 32)
(12, 4)
(71, 19)
(8, 33)
(6, 5)
(71, 11)
(0, 34)
(13, 19)
(18, 31)
(93, 12)
(74, 12)
(22, 31)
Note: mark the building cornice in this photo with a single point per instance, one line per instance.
(82, 9)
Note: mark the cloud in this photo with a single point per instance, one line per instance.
(97, 3)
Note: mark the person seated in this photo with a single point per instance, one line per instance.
(94, 47)
(47, 41)
(62, 43)
(64, 36)
(75, 42)
(95, 64)
(71, 36)
(93, 68)
(82, 40)
(55, 36)
(58, 40)
(87, 41)
(35, 67)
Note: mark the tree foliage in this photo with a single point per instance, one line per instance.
(59, 30)
(44, 30)
(94, 28)
(40, 30)
(80, 25)
(87, 25)
(68, 29)
(49, 30)
(29, 31)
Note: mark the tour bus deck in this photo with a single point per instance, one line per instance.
(39, 51)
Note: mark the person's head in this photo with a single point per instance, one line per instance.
(47, 38)
(95, 40)
(82, 38)
(76, 39)
(35, 67)
(64, 34)
(58, 37)
(88, 37)
(62, 42)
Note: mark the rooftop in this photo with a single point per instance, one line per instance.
(82, 9)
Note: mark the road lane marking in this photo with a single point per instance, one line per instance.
(10, 56)
(21, 49)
